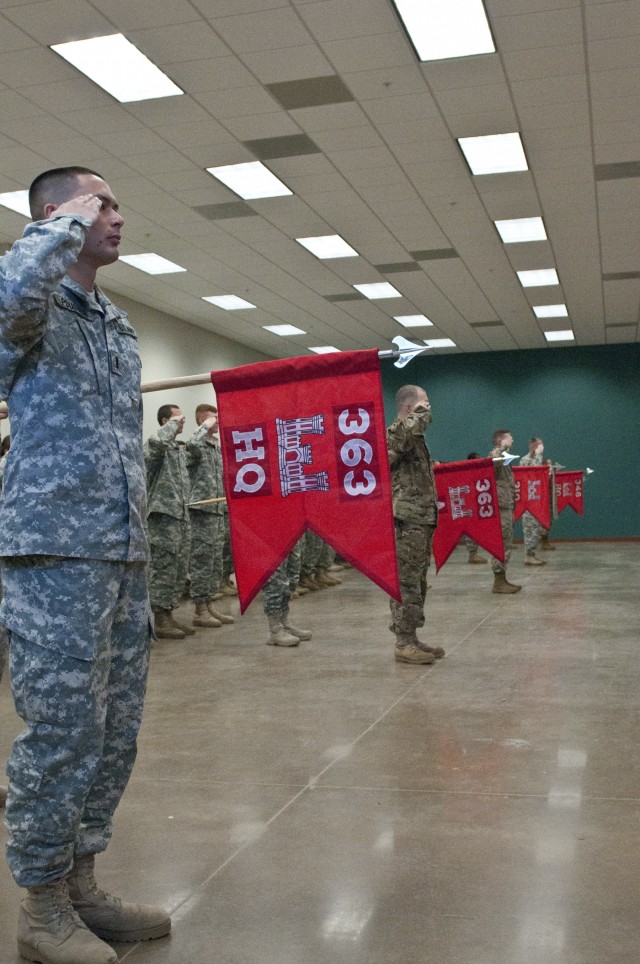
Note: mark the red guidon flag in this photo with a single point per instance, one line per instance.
(533, 493)
(569, 491)
(468, 504)
(304, 447)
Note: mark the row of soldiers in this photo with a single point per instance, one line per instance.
(188, 528)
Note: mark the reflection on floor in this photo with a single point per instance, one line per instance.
(326, 804)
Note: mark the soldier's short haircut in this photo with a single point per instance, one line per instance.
(499, 434)
(205, 408)
(165, 411)
(54, 187)
(407, 393)
(534, 440)
(473, 455)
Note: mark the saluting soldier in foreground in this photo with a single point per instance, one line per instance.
(73, 569)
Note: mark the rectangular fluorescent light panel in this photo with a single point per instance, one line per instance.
(413, 321)
(114, 64)
(440, 343)
(537, 279)
(328, 246)
(284, 330)
(494, 153)
(439, 29)
(16, 201)
(380, 290)
(517, 230)
(250, 180)
(151, 263)
(559, 335)
(324, 349)
(228, 302)
(550, 311)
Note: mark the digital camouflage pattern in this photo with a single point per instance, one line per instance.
(412, 482)
(170, 546)
(207, 543)
(413, 547)
(415, 514)
(168, 518)
(531, 528)
(294, 565)
(506, 490)
(74, 487)
(168, 484)
(74, 481)
(277, 593)
(79, 653)
(505, 482)
(204, 465)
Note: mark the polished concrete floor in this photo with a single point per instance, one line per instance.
(327, 804)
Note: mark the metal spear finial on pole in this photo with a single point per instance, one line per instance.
(404, 353)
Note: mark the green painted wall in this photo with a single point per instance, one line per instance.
(584, 403)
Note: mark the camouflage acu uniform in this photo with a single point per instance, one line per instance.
(277, 591)
(168, 521)
(74, 551)
(506, 490)
(532, 529)
(294, 565)
(415, 514)
(204, 463)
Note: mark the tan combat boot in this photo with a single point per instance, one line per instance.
(476, 560)
(500, 584)
(309, 583)
(278, 635)
(51, 932)
(545, 542)
(223, 618)
(227, 588)
(293, 630)
(165, 628)
(203, 617)
(409, 649)
(107, 916)
(322, 576)
(532, 560)
(177, 624)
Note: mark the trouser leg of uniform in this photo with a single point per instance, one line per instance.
(311, 552)
(276, 593)
(294, 565)
(227, 557)
(167, 568)
(182, 562)
(532, 531)
(327, 556)
(506, 522)
(218, 552)
(129, 665)
(202, 559)
(413, 548)
(79, 650)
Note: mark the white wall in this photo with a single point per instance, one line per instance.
(169, 348)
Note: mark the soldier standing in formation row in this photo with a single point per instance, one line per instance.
(74, 556)
(532, 529)
(168, 521)
(204, 464)
(506, 489)
(415, 518)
